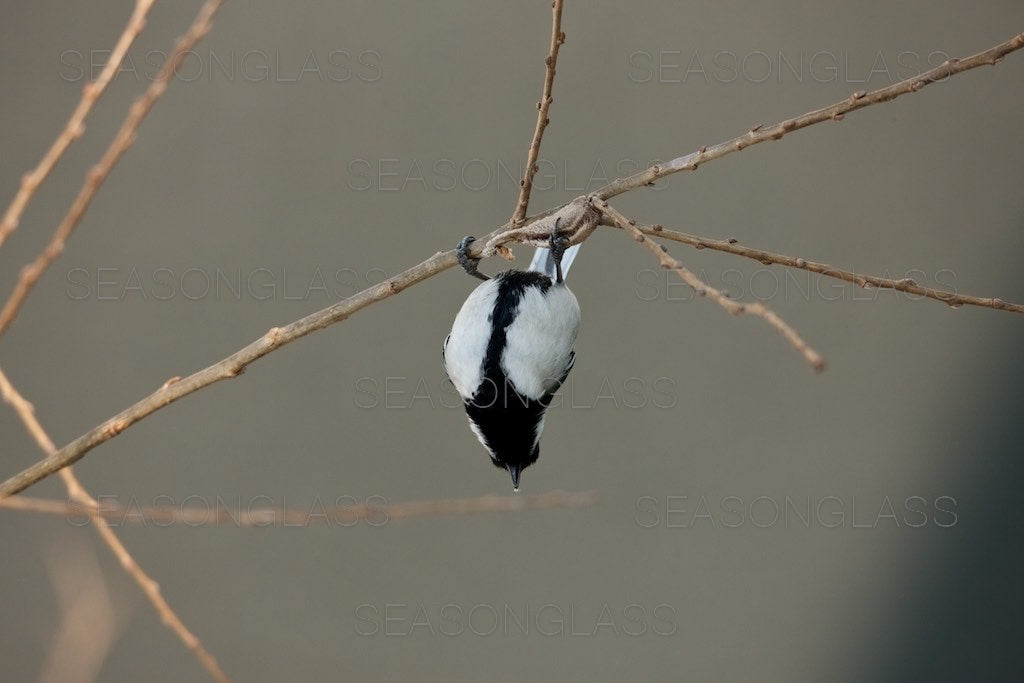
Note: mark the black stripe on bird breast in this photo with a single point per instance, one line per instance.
(506, 418)
(508, 423)
(512, 284)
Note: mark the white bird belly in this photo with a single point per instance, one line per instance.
(467, 344)
(539, 341)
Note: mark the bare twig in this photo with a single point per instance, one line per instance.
(74, 128)
(124, 138)
(81, 499)
(703, 289)
(345, 515)
(27, 412)
(575, 220)
(228, 368)
(835, 112)
(526, 184)
(907, 285)
(236, 362)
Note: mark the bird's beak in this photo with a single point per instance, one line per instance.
(514, 470)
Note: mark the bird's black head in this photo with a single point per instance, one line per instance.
(515, 466)
(509, 426)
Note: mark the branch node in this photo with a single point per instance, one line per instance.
(115, 428)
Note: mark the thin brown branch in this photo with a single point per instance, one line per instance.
(526, 184)
(908, 285)
(228, 368)
(238, 361)
(703, 289)
(576, 220)
(124, 139)
(80, 499)
(75, 126)
(835, 112)
(344, 515)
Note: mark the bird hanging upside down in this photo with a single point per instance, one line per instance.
(509, 351)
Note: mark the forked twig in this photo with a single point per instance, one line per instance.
(703, 289)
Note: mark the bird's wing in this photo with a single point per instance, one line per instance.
(546, 399)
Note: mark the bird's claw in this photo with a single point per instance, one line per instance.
(557, 244)
(468, 263)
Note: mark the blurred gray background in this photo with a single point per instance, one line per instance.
(306, 151)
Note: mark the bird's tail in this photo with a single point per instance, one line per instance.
(543, 263)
